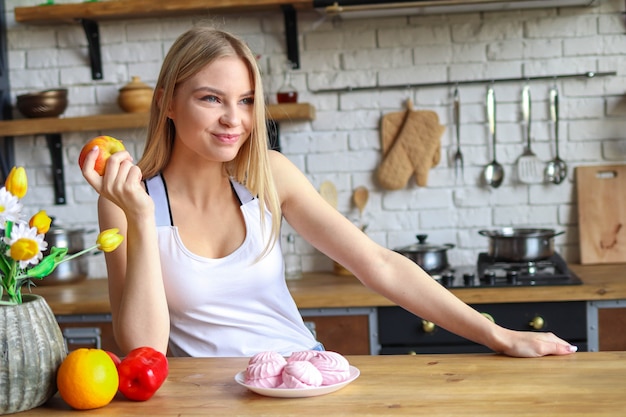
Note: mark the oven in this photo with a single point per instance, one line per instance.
(401, 332)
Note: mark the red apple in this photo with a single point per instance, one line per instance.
(116, 359)
(108, 146)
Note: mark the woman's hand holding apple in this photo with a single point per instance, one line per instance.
(106, 146)
(110, 170)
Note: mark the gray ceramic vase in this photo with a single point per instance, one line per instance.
(31, 350)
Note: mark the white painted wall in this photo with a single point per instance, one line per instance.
(342, 144)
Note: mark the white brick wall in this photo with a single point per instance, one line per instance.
(342, 144)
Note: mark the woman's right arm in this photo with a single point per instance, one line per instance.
(136, 292)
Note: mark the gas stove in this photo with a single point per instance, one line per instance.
(489, 272)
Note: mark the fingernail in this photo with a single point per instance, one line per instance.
(573, 348)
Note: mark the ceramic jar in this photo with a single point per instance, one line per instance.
(135, 97)
(31, 350)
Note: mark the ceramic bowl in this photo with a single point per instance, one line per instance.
(48, 103)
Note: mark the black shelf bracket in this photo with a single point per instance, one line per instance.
(7, 156)
(93, 42)
(291, 35)
(55, 146)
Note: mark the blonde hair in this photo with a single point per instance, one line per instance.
(190, 53)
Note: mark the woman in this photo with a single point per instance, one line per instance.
(201, 271)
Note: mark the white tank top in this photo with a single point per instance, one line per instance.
(229, 306)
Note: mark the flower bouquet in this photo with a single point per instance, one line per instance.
(22, 243)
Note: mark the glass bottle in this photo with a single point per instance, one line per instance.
(293, 263)
(287, 92)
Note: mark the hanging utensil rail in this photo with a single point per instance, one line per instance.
(588, 74)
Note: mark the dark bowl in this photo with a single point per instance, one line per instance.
(49, 103)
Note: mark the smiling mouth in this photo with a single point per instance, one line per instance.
(228, 138)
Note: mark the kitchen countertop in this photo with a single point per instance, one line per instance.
(586, 384)
(327, 290)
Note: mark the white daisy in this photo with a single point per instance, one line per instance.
(34, 242)
(10, 206)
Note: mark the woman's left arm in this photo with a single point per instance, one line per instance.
(391, 274)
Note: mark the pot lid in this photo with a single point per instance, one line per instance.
(57, 230)
(421, 246)
(512, 232)
(136, 84)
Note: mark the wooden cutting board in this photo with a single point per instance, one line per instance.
(602, 213)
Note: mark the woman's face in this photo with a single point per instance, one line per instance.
(212, 111)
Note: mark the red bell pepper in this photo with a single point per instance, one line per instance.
(142, 372)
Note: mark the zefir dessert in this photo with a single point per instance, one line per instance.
(304, 369)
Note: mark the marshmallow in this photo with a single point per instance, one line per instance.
(304, 355)
(333, 367)
(301, 374)
(267, 356)
(266, 374)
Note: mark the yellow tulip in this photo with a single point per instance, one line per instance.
(41, 221)
(108, 240)
(17, 182)
(24, 249)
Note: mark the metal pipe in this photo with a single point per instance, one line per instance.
(588, 74)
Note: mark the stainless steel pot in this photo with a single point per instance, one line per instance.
(520, 244)
(71, 271)
(61, 237)
(432, 258)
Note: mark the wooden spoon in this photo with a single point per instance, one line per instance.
(360, 197)
(329, 193)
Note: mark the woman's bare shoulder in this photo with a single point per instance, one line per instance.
(284, 171)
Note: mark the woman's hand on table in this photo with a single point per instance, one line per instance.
(534, 344)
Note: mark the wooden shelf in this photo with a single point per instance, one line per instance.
(88, 14)
(22, 127)
(135, 9)
(291, 112)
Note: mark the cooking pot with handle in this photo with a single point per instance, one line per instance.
(520, 244)
(71, 271)
(432, 258)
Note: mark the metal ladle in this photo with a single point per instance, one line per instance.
(493, 173)
(556, 169)
(458, 156)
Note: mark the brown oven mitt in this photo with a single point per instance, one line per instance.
(390, 125)
(411, 143)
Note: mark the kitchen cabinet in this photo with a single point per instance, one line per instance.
(402, 332)
(89, 331)
(607, 325)
(612, 329)
(350, 331)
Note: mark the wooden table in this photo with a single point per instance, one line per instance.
(585, 384)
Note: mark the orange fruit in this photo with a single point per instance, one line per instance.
(87, 379)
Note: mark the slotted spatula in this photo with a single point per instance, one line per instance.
(529, 166)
